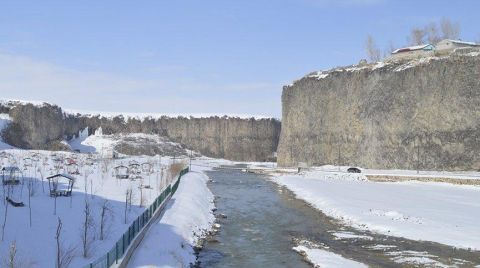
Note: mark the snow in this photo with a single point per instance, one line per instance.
(95, 183)
(349, 235)
(96, 143)
(142, 116)
(13, 102)
(415, 258)
(4, 121)
(326, 259)
(412, 48)
(338, 170)
(438, 212)
(188, 215)
(462, 42)
(318, 75)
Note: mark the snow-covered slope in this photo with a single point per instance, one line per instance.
(129, 144)
(188, 215)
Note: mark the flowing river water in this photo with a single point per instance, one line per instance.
(263, 221)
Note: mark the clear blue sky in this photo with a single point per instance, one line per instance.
(212, 56)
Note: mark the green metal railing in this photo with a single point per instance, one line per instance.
(121, 246)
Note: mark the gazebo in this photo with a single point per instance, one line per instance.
(146, 167)
(134, 168)
(27, 161)
(121, 172)
(70, 161)
(60, 185)
(72, 168)
(11, 175)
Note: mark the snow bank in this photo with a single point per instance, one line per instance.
(439, 212)
(170, 241)
(326, 259)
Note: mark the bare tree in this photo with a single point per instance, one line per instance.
(12, 255)
(417, 36)
(64, 255)
(130, 198)
(126, 207)
(55, 203)
(449, 29)
(106, 212)
(373, 52)
(142, 198)
(30, 194)
(4, 220)
(87, 226)
(432, 34)
(57, 238)
(389, 49)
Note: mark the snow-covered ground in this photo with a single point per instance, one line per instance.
(95, 183)
(188, 216)
(326, 259)
(4, 121)
(439, 212)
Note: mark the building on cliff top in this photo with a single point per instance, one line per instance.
(443, 47)
(446, 46)
(413, 52)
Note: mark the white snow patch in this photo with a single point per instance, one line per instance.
(318, 75)
(350, 235)
(415, 258)
(326, 259)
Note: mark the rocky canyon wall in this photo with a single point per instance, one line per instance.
(44, 126)
(421, 114)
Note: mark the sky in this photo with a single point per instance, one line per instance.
(190, 56)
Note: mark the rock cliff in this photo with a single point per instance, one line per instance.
(43, 126)
(419, 114)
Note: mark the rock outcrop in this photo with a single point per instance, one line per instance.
(34, 126)
(421, 114)
(43, 126)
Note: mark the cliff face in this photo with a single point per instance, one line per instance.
(421, 114)
(43, 126)
(34, 126)
(221, 137)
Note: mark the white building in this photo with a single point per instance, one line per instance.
(446, 46)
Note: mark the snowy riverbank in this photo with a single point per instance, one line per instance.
(188, 216)
(438, 212)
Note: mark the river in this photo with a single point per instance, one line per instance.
(263, 221)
